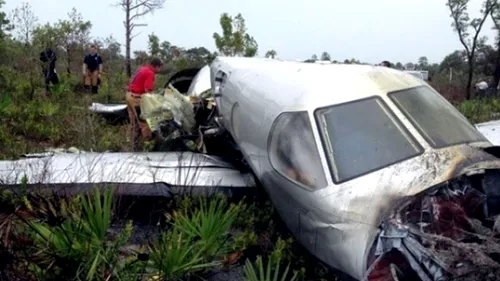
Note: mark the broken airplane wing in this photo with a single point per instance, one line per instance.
(146, 174)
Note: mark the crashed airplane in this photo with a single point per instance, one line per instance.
(371, 169)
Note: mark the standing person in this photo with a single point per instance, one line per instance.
(48, 60)
(92, 69)
(141, 83)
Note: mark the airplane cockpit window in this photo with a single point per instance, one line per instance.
(435, 118)
(293, 151)
(363, 136)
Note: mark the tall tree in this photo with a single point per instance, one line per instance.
(25, 22)
(154, 44)
(423, 62)
(74, 35)
(4, 28)
(4, 22)
(456, 60)
(235, 41)
(271, 54)
(409, 66)
(135, 9)
(470, 41)
(325, 56)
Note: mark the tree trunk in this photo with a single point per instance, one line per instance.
(496, 74)
(469, 79)
(127, 40)
(68, 61)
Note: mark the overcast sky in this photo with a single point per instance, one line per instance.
(368, 30)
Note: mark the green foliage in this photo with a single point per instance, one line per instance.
(154, 45)
(235, 41)
(177, 255)
(271, 273)
(271, 54)
(325, 56)
(209, 224)
(256, 272)
(81, 240)
(62, 120)
(480, 110)
(4, 22)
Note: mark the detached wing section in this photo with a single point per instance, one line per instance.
(144, 174)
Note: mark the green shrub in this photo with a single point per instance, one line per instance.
(480, 110)
(80, 245)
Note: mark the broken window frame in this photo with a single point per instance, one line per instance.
(329, 151)
(284, 124)
(426, 132)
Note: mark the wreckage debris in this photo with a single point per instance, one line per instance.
(449, 233)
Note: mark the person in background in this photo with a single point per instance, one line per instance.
(386, 64)
(141, 83)
(48, 60)
(92, 69)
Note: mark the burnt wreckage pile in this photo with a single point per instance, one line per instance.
(451, 232)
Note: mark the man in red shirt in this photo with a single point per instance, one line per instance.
(141, 83)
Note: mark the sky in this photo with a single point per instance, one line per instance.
(367, 30)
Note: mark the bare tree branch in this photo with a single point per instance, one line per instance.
(133, 36)
(135, 9)
(138, 15)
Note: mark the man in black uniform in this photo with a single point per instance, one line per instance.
(92, 69)
(48, 60)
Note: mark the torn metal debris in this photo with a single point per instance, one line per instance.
(449, 232)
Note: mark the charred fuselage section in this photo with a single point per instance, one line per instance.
(450, 232)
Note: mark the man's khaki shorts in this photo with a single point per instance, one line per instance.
(91, 78)
(138, 125)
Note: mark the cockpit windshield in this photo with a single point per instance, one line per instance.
(362, 136)
(435, 118)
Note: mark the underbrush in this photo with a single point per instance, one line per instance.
(480, 109)
(87, 237)
(31, 124)
(62, 120)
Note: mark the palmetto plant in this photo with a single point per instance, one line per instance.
(209, 225)
(258, 273)
(79, 246)
(176, 256)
